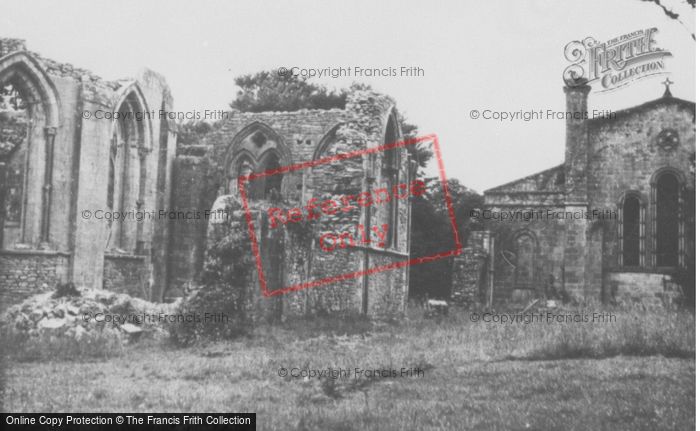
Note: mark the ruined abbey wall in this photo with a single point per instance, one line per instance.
(74, 164)
(258, 142)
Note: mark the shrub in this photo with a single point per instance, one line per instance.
(226, 274)
(65, 290)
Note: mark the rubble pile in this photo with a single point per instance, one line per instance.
(80, 313)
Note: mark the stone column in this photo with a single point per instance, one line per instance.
(140, 201)
(47, 188)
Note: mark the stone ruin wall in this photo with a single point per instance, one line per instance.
(75, 250)
(200, 176)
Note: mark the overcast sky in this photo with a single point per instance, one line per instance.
(500, 55)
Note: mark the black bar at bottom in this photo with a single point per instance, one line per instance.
(119, 421)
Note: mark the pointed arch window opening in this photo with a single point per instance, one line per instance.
(256, 148)
(631, 231)
(15, 114)
(24, 85)
(20, 115)
(127, 177)
(668, 221)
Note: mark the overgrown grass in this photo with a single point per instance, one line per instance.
(630, 332)
(634, 333)
(93, 345)
(633, 373)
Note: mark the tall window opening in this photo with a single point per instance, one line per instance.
(390, 168)
(668, 213)
(29, 123)
(631, 231)
(272, 183)
(256, 149)
(126, 176)
(14, 121)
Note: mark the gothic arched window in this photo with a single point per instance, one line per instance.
(257, 149)
(668, 218)
(14, 121)
(29, 122)
(127, 174)
(631, 230)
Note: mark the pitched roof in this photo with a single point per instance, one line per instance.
(548, 181)
(663, 100)
(552, 180)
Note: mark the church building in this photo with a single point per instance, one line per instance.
(615, 221)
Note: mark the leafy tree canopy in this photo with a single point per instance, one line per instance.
(268, 91)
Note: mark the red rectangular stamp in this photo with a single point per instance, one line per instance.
(369, 200)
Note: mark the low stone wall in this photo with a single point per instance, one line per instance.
(469, 270)
(469, 276)
(24, 273)
(648, 289)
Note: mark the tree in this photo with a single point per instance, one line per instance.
(420, 152)
(270, 91)
(191, 132)
(432, 233)
(673, 15)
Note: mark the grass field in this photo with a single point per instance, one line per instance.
(637, 372)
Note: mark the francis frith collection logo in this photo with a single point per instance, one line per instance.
(615, 63)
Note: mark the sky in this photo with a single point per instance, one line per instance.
(476, 55)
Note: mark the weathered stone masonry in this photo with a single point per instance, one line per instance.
(61, 167)
(56, 162)
(258, 142)
(636, 164)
